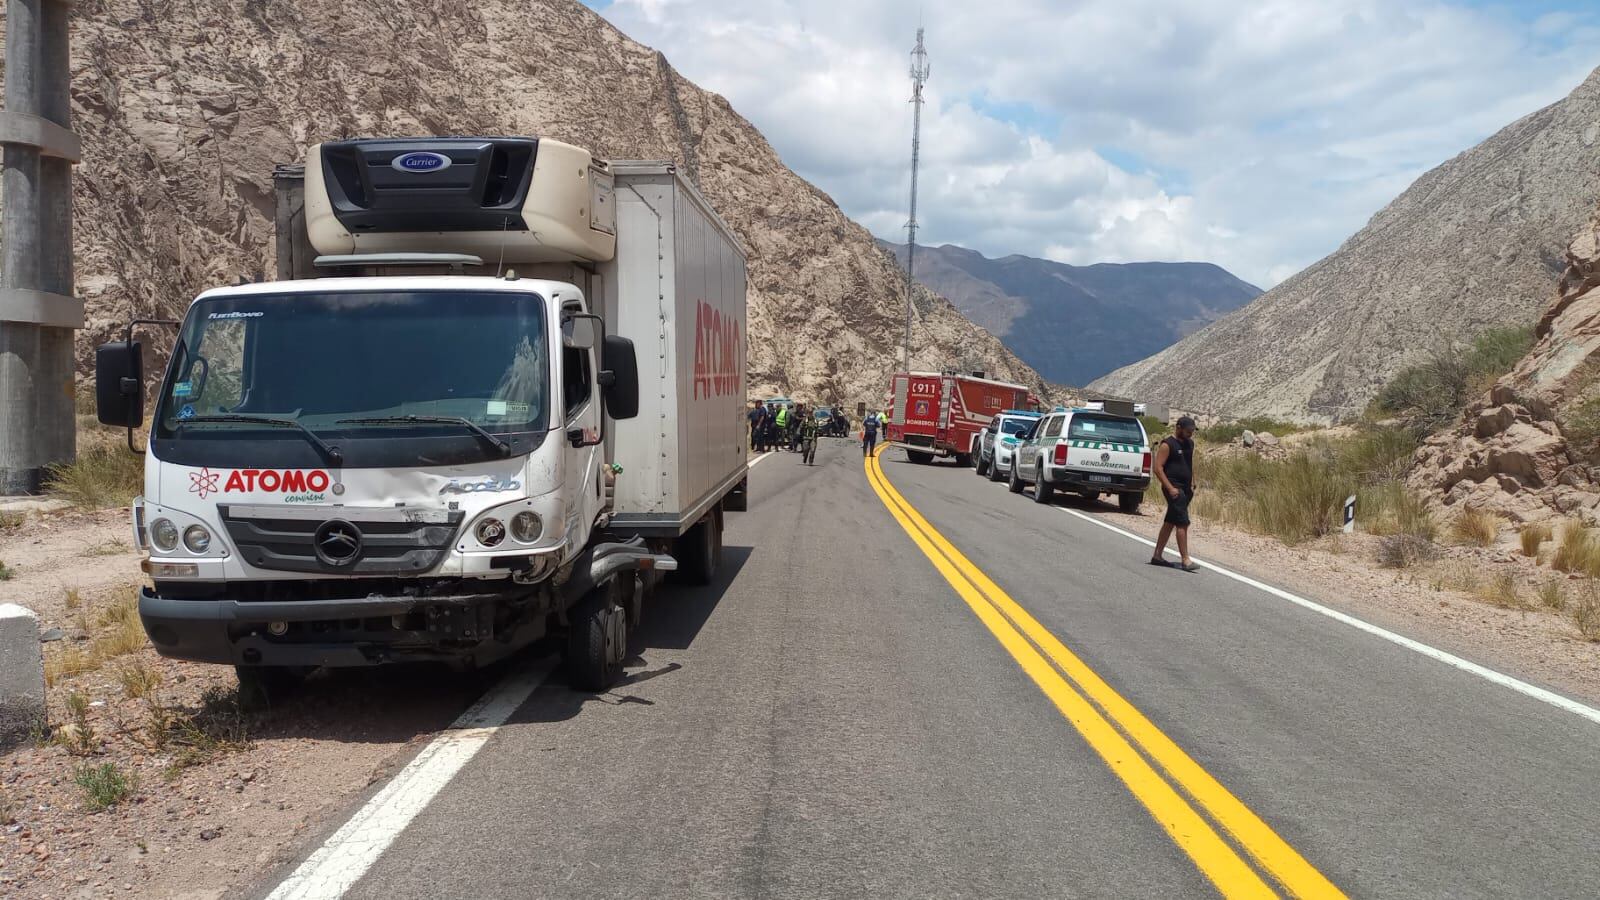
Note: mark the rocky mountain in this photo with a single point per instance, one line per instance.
(1474, 243)
(184, 108)
(1076, 323)
(1530, 448)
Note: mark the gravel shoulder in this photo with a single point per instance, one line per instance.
(218, 795)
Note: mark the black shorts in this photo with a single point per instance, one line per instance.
(1178, 507)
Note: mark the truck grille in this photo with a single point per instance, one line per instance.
(340, 540)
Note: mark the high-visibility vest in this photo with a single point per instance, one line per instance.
(783, 416)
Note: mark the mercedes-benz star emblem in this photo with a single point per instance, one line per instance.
(337, 543)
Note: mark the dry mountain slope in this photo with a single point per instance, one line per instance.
(1475, 242)
(1076, 323)
(185, 107)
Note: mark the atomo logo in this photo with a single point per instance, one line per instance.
(420, 161)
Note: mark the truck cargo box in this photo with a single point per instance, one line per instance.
(677, 289)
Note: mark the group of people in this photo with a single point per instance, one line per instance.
(795, 427)
(785, 426)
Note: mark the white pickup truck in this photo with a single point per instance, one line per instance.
(1084, 451)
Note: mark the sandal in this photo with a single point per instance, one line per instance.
(1190, 566)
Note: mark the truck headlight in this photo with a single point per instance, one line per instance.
(490, 532)
(526, 526)
(164, 535)
(197, 538)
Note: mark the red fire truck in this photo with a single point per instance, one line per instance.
(938, 414)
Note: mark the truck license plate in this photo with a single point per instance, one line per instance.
(1100, 479)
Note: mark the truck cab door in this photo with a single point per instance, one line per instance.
(583, 490)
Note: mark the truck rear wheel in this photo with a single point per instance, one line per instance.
(919, 457)
(980, 465)
(963, 460)
(699, 551)
(598, 641)
(1129, 503)
(1014, 483)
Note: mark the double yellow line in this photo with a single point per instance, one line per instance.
(1210, 824)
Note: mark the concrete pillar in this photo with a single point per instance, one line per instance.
(22, 707)
(38, 312)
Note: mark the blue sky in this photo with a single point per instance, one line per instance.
(1257, 134)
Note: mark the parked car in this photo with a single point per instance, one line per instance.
(1086, 452)
(992, 447)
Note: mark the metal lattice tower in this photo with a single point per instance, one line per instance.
(919, 76)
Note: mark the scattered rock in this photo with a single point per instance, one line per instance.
(210, 834)
(51, 634)
(1248, 438)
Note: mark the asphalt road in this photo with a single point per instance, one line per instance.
(832, 719)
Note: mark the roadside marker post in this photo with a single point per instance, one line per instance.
(1350, 514)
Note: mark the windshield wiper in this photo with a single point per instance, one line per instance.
(493, 439)
(333, 454)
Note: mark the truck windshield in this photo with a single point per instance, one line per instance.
(323, 358)
(1016, 426)
(1108, 429)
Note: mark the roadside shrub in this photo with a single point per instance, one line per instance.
(1531, 537)
(1402, 551)
(6, 573)
(103, 786)
(1580, 424)
(1387, 508)
(103, 476)
(1475, 527)
(1432, 394)
(1586, 615)
(1227, 432)
(1301, 500)
(11, 521)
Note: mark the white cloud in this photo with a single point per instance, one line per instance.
(1257, 134)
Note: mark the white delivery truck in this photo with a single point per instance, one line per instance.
(497, 390)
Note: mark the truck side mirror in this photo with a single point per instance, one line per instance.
(119, 384)
(577, 332)
(619, 377)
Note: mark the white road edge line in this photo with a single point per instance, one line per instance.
(753, 462)
(345, 857)
(1449, 659)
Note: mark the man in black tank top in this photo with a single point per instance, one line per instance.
(1174, 467)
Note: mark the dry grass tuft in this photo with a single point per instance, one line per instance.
(1475, 527)
(73, 599)
(1552, 596)
(1501, 590)
(1577, 551)
(102, 477)
(11, 520)
(138, 680)
(67, 662)
(1531, 536)
(6, 573)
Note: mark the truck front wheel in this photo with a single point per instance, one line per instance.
(919, 457)
(598, 641)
